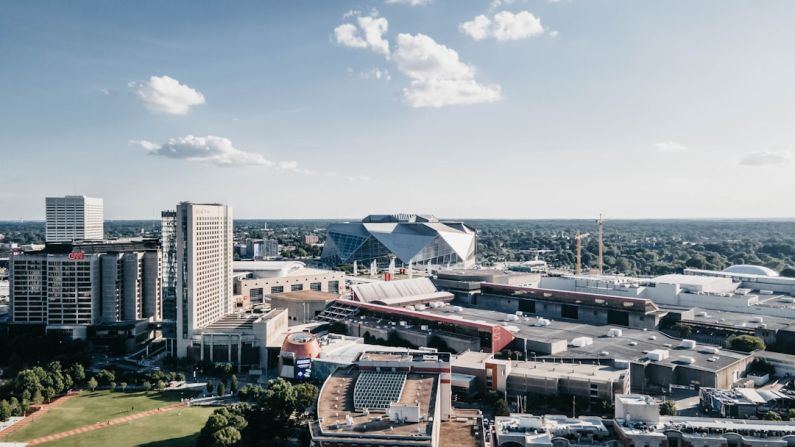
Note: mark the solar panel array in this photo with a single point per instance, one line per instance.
(376, 390)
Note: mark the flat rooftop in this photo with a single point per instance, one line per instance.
(335, 403)
(633, 344)
(741, 320)
(542, 369)
(712, 428)
(306, 295)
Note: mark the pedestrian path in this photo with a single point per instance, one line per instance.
(39, 412)
(101, 425)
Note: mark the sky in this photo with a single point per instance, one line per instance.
(339, 109)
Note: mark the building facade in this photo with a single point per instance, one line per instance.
(71, 218)
(204, 268)
(409, 238)
(68, 287)
(168, 242)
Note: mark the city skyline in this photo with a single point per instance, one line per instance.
(477, 109)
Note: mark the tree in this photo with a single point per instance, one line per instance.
(668, 408)
(5, 410)
(180, 377)
(501, 408)
(210, 387)
(221, 388)
(78, 373)
(305, 395)
(762, 367)
(147, 385)
(682, 329)
(105, 377)
(226, 437)
(113, 386)
(771, 416)
(160, 385)
(278, 401)
(745, 343)
(123, 386)
(233, 385)
(92, 384)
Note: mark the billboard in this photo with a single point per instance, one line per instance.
(303, 369)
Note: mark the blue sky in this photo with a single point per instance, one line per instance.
(537, 109)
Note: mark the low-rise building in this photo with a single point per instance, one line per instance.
(253, 280)
(304, 306)
(526, 430)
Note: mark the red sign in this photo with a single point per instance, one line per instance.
(77, 256)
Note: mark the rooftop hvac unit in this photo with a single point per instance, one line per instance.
(702, 314)
(581, 342)
(410, 308)
(708, 350)
(454, 309)
(511, 317)
(657, 355)
(757, 320)
(403, 323)
(686, 359)
(615, 332)
(542, 322)
(687, 344)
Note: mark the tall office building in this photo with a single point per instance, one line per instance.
(70, 286)
(204, 269)
(168, 241)
(71, 218)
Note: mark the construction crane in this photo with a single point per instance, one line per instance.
(600, 224)
(579, 237)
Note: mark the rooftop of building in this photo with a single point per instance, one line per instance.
(401, 292)
(399, 218)
(278, 269)
(542, 369)
(549, 426)
(306, 295)
(338, 415)
(744, 396)
(739, 320)
(240, 321)
(582, 298)
(101, 246)
(710, 427)
(633, 344)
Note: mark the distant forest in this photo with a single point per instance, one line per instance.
(632, 247)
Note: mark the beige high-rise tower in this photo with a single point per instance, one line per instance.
(204, 269)
(74, 218)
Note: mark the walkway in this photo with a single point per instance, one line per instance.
(35, 414)
(100, 425)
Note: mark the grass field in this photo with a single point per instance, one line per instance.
(177, 428)
(88, 408)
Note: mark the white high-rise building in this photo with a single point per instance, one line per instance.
(204, 269)
(72, 218)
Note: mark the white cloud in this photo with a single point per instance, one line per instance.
(505, 25)
(368, 32)
(439, 78)
(763, 158)
(376, 73)
(408, 2)
(554, 34)
(211, 149)
(164, 94)
(669, 146)
(477, 28)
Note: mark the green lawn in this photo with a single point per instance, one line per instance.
(89, 408)
(177, 428)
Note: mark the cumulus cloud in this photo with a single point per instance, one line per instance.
(164, 94)
(408, 2)
(669, 146)
(211, 149)
(503, 26)
(376, 73)
(765, 158)
(439, 78)
(367, 32)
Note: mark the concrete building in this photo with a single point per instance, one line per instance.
(311, 239)
(409, 238)
(638, 423)
(70, 286)
(391, 398)
(526, 430)
(168, 241)
(71, 218)
(742, 403)
(250, 341)
(204, 268)
(547, 378)
(303, 306)
(254, 280)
